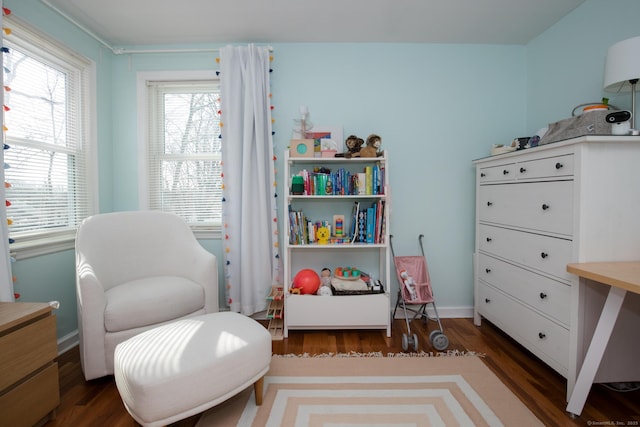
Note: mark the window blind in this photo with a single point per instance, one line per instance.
(47, 132)
(183, 159)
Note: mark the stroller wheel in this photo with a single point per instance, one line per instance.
(439, 340)
(405, 342)
(415, 342)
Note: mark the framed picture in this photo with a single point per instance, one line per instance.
(326, 138)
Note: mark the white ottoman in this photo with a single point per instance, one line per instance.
(181, 369)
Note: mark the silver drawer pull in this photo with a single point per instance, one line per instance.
(543, 295)
(559, 165)
(544, 255)
(542, 335)
(545, 206)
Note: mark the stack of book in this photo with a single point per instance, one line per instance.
(344, 183)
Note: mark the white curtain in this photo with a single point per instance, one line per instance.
(6, 283)
(250, 237)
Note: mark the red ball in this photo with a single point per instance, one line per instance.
(307, 281)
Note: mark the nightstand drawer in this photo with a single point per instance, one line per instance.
(539, 206)
(551, 167)
(546, 339)
(545, 295)
(27, 349)
(546, 254)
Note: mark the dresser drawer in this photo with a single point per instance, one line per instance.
(506, 172)
(543, 253)
(546, 295)
(25, 405)
(544, 338)
(27, 349)
(551, 167)
(539, 206)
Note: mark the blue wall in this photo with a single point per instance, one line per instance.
(436, 106)
(565, 64)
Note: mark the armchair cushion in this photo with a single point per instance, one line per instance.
(165, 298)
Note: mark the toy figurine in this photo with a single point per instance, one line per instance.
(325, 283)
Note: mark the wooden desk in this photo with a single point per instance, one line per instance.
(622, 277)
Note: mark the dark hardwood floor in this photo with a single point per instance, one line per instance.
(97, 403)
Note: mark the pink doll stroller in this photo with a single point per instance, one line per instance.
(415, 290)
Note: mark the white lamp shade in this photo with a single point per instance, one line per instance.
(623, 64)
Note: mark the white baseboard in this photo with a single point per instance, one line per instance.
(68, 341)
(444, 312)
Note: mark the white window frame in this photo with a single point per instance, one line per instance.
(33, 244)
(143, 77)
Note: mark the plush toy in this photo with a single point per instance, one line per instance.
(325, 283)
(322, 235)
(373, 147)
(409, 283)
(353, 144)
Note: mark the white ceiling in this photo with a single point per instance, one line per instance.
(170, 22)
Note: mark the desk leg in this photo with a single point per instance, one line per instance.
(596, 350)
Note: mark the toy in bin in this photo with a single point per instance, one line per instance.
(348, 273)
(415, 289)
(325, 283)
(306, 281)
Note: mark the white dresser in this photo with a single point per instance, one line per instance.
(538, 210)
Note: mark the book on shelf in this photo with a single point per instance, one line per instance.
(370, 224)
(368, 172)
(353, 229)
(362, 226)
(380, 220)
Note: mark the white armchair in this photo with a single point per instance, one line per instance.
(135, 271)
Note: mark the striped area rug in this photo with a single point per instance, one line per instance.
(375, 391)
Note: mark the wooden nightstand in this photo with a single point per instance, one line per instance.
(29, 388)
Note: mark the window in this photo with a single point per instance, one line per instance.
(183, 152)
(47, 131)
